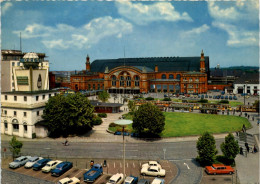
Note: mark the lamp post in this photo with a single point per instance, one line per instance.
(245, 85)
(123, 123)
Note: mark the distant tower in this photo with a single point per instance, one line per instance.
(87, 64)
(218, 66)
(202, 62)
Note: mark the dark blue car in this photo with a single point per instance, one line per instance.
(40, 164)
(118, 133)
(61, 168)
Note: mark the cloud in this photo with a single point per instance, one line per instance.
(238, 37)
(143, 14)
(239, 19)
(196, 31)
(6, 6)
(64, 36)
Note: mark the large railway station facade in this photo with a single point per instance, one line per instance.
(143, 75)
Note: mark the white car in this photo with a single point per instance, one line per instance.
(50, 165)
(158, 181)
(116, 179)
(73, 180)
(153, 171)
(32, 161)
(20, 161)
(152, 163)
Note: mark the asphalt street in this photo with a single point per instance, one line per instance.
(182, 154)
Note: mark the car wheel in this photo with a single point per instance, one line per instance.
(143, 174)
(230, 172)
(158, 176)
(215, 173)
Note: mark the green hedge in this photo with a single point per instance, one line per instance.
(97, 121)
(149, 98)
(166, 99)
(224, 101)
(102, 115)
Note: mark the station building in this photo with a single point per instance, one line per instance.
(143, 75)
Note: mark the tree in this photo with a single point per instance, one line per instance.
(15, 146)
(148, 119)
(230, 147)
(131, 106)
(68, 114)
(256, 104)
(206, 147)
(103, 96)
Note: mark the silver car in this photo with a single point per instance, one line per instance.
(20, 161)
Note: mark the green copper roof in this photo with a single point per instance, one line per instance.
(164, 63)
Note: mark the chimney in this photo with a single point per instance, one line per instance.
(156, 68)
(202, 62)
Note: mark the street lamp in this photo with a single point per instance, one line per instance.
(123, 123)
(245, 85)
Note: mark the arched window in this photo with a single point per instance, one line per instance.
(15, 125)
(163, 76)
(122, 82)
(171, 76)
(113, 80)
(128, 81)
(137, 79)
(178, 77)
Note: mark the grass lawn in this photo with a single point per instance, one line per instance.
(231, 103)
(185, 124)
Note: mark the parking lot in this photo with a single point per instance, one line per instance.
(80, 166)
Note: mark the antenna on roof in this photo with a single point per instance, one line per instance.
(20, 41)
(124, 55)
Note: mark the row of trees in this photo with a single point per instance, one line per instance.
(207, 151)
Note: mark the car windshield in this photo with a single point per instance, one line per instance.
(127, 183)
(17, 161)
(32, 159)
(48, 165)
(112, 181)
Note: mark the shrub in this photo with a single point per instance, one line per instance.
(224, 101)
(166, 99)
(112, 125)
(97, 121)
(149, 98)
(203, 101)
(33, 135)
(102, 115)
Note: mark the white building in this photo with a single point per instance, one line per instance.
(248, 83)
(25, 91)
(22, 110)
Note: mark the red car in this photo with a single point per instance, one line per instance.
(219, 169)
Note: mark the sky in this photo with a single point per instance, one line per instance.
(227, 31)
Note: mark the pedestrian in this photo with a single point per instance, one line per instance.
(247, 147)
(248, 116)
(244, 128)
(254, 150)
(237, 133)
(253, 118)
(245, 114)
(241, 151)
(258, 121)
(222, 112)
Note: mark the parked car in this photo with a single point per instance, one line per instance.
(67, 180)
(214, 97)
(210, 96)
(31, 162)
(152, 163)
(131, 180)
(219, 169)
(40, 164)
(226, 97)
(152, 171)
(230, 97)
(116, 179)
(126, 133)
(206, 96)
(61, 168)
(158, 181)
(92, 174)
(234, 98)
(134, 135)
(20, 161)
(143, 181)
(118, 133)
(222, 97)
(50, 165)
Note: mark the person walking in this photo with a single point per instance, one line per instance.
(247, 147)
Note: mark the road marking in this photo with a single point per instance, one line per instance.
(114, 165)
(133, 164)
(186, 165)
(180, 159)
(127, 164)
(78, 173)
